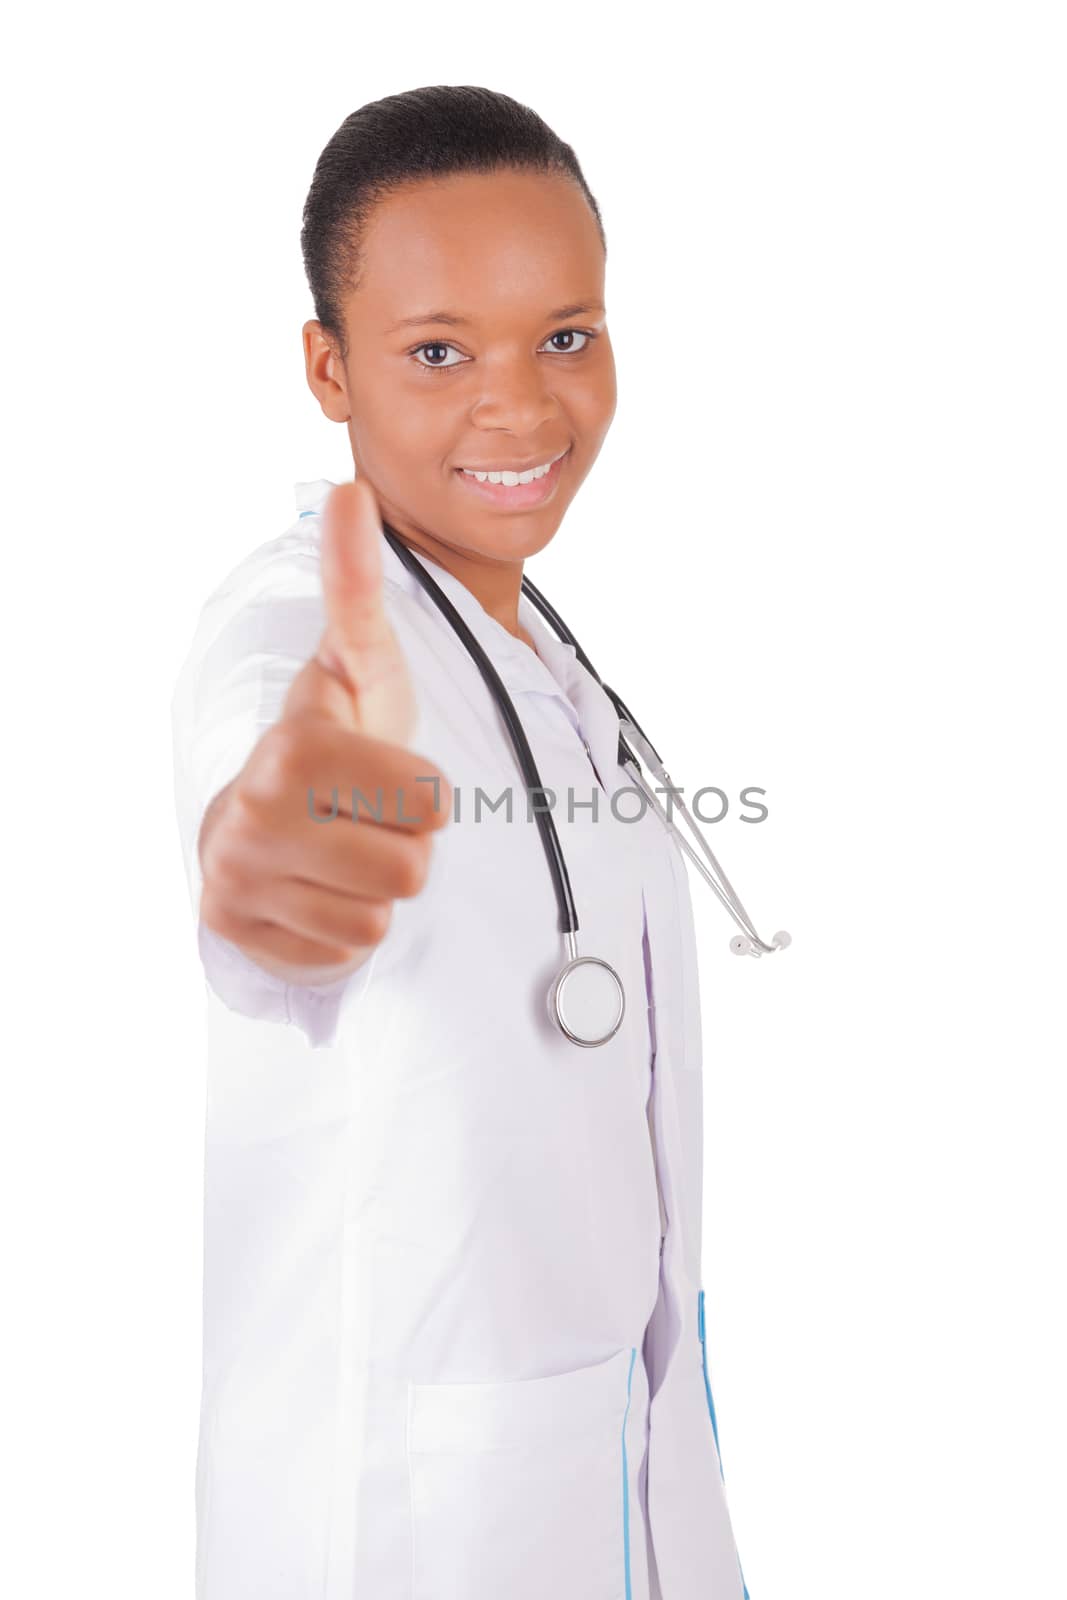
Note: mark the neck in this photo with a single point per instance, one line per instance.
(496, 585)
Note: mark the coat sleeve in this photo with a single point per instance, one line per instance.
(254, 634)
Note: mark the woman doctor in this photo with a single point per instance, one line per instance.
(454, 1343)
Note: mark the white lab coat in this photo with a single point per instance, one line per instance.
(453, 1337)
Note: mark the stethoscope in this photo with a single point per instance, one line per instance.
(587, 1000)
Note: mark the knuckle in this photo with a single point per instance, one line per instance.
(232, 876)
(366, 924)
(215, 855)
(223, 865)
(215, 913)
(374, 921)
(413, 867)
(284, 748)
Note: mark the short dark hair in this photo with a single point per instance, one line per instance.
(424, 133)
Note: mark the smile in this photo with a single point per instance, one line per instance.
(514, 488)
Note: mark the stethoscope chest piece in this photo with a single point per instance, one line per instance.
(587, 1000)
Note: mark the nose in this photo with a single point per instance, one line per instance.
(515, 396)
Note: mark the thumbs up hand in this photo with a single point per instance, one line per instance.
(308, 897)
(359, 651)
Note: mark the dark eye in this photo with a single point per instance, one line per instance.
(435, 346)
(569, 333)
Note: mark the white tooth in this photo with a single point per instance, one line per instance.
(510, 479)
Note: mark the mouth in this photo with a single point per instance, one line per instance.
(513, 495)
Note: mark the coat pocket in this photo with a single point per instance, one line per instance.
(520, 1489)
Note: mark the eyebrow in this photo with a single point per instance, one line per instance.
(455, 321)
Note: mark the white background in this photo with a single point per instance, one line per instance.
(832, 510)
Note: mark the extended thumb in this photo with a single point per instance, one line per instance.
(358, 633)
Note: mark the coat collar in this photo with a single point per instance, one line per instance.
(553, 670)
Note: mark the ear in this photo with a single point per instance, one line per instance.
(325, 372)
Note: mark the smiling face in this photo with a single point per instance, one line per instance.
(476, 339)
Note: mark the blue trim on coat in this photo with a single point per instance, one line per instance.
(711, 1408)
(626, 1479)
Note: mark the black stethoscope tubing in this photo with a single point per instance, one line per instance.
(549, 838)
(552, 616)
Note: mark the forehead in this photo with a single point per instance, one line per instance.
(479, 244)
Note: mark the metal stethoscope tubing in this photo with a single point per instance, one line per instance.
(748, 942)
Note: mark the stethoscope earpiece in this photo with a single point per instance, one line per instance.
(742, 945)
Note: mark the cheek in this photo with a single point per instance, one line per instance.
(404, 433)
(594, 407)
